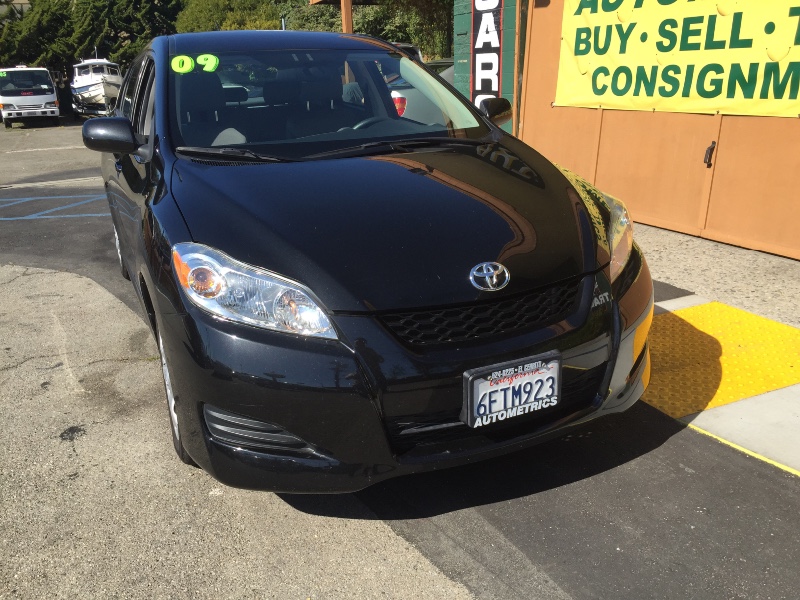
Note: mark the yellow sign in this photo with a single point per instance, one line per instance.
(736, 57)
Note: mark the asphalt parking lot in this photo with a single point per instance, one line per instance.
(692, 494)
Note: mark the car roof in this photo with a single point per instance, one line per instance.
(240, 41)
(23, 69)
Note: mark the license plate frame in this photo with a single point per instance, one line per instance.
(477, 385)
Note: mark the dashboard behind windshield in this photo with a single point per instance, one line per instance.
(301, 102)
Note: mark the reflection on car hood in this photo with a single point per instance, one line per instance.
(393, 231)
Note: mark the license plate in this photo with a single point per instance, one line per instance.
(30, 113)
(510, 390)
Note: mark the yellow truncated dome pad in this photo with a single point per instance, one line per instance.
(712, 354)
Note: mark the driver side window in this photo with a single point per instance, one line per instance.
(125, 102)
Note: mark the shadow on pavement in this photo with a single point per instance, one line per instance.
(687, 371)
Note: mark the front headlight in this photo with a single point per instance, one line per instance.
(620, 235)
(235, 291)
(7, 107)
(51, 104)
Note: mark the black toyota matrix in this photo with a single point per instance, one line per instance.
(342, 294)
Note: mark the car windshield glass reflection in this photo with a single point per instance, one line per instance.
(301, 103)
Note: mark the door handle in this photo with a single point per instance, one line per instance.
(709, 154)
(118, 166)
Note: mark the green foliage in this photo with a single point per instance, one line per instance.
(213, 15)
(57, 33)
(301, 16)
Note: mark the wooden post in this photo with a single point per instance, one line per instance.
(347, 16)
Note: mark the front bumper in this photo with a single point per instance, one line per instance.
(367, 408)
(33, 113)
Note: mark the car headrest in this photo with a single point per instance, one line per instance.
(235, 94)
(200, 93)
(322, 91)
(280, 92)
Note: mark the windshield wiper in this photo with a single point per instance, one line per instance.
(405, 145)
(232, 153)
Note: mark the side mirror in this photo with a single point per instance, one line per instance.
(497, 109)
(110, 134)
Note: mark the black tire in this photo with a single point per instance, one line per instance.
(7, 124)
(173, 416)
(122, 268)
(55, 122)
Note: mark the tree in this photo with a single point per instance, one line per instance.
(43, 35)
(213, 15)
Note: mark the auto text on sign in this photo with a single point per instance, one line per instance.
(486, 50)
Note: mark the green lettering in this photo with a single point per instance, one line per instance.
(624, 36)
(795, 12)
(737, 78)
(772, 75)
(687, 84)
(616, 88)
(711, 43)
(599, 90)
(668, 2)
(687, 33)
(638, 4)
(611, 5)
(598, 49)
(590, 4)
(669, 36)
(736, 30)
(643, 81)
(668, 75)
(583, 45)
(716, 84)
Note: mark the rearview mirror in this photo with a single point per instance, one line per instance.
(110, 134)
(497, 109)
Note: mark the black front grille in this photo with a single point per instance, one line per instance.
(484, 320)
(443, 431)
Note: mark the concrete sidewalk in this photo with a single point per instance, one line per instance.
(725, 343)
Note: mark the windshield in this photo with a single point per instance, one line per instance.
(298, 103)
(30, 82)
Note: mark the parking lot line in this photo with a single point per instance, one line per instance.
(48, 214)
(745, 450)
(43, 149)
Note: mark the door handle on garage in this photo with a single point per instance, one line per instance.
(709, 154)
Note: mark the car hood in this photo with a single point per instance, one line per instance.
(394, 231)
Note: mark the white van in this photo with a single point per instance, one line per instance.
(27, 94)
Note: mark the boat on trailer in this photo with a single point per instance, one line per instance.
(95, 86)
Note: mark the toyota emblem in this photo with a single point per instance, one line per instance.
(489, 276)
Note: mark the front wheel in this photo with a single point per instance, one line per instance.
(173, 415)
(7, 123)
